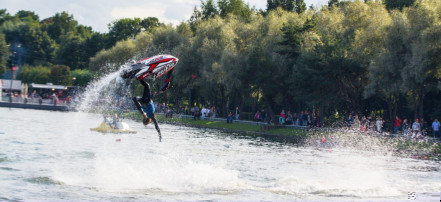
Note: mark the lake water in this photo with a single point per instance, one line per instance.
(48, 155)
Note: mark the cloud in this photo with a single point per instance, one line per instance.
(135, 11)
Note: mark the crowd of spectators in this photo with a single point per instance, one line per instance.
(46, 98)
(419, 128)
(303, 118)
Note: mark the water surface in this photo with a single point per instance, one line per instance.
(48, 155)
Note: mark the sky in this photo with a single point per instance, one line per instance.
(99, 13)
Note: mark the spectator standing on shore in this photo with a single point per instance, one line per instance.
(370, 124)
(405, 127)
(257, 116)
(282, 116)
(435, 126)
(305, 118)
(203, 112)
(207, 113)
(397, 124)
(236, 114)
(213, 113)
(230, 118)
(263, 115)
(294, 119)
(363, 124)
(289, 118)
(416, 129)
(197, 110)
(197, 113)
(349, 121)
(182, 112)
(379, 124)
(423, 125)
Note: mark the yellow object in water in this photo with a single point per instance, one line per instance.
(105, 128)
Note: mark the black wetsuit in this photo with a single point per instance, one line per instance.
(147, 97)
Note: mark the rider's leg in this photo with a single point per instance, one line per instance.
(145, 99)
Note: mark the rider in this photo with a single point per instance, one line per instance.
(141, 71)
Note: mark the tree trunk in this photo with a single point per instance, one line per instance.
(421, 103)
(415, 108)
(421, 106)
(227, 107)
(223, 110)
(270, 109)
(320, 119)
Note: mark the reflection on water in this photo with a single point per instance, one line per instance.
(58, 157)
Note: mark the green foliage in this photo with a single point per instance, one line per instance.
(125, 28)
(60, 75)
(4, 16)
(235, 7)
(397, 4)
(27, 16)
(71, 52)
(58, 25)
(297, 6)
(81, 77)
(209, 9)
(35, 74)
(4, 53)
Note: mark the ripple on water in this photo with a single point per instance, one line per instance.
(43, 180)
(87, 155)
(3, 159)
(8, 169)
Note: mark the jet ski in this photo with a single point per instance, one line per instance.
(121, 127)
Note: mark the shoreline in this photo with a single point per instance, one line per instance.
(49, 107)
(404, 147)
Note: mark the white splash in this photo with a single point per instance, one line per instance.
(99, 94)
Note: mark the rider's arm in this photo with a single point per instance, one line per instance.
(167, 80)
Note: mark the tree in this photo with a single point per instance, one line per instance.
(35, 74)
(151, 23)
(419, 73)
(209, 9)
(332, 3)
(126, 28)
(235, 7)
(36, 45)
(4, 16)
(4, 54)
(297, 6)
(27, 16)
(59, 25)
(81, 77)
(397, 4)
(60, 75)
(72, 52)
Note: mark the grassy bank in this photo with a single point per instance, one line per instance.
(238, 127)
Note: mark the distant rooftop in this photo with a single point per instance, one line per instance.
(47, 86)
(6, 84)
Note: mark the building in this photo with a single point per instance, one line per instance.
(5, 87)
